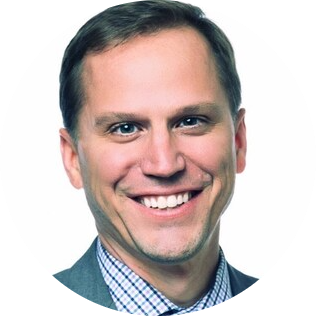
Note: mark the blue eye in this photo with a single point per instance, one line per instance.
(189, 122)
(125, 129)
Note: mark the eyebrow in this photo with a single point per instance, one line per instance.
(198, 108)
(110, 117)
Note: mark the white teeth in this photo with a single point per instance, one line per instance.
(172, 201)
(163, 202)
(153, 202)
(147, 202)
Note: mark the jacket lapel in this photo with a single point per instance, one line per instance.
(85, 279)
(239, 281)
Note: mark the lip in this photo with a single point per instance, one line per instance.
(162, 192)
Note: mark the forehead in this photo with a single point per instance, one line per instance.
(172, 67)
(176, 43)
(182, 36)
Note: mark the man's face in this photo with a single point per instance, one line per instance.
(158, 149)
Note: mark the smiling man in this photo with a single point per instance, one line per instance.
(154, 133)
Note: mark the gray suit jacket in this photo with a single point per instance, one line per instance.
(85, 278)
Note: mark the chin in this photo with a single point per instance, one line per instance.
(171, 253)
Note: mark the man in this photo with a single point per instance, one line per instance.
(154, 133)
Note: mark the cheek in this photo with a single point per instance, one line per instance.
(212, 153)
(108, 165)
(101, 170)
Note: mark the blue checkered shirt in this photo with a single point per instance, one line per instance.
(132, 294)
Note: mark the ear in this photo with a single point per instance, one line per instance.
(70, 158)
(240, 141)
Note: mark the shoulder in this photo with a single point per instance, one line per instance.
(80, 271)
(85, 279)
(239, 281)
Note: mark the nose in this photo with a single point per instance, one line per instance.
(162, 158)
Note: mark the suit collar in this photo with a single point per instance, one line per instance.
(85, 279)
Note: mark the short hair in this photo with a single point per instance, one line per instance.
(117, 25)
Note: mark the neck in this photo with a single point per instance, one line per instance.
(184, 283)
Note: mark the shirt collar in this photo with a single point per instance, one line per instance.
(134, 295)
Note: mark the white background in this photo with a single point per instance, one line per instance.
(268, 231)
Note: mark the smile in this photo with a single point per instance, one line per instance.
(166, 201)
